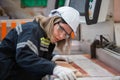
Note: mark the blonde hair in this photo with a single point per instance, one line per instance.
(47, 24)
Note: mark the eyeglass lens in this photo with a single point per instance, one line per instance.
(62, 29)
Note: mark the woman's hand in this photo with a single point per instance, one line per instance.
(64, 73)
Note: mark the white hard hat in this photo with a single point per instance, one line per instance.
(69, 14)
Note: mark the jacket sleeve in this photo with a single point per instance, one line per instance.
(27, 53)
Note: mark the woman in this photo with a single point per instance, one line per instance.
(26, 52)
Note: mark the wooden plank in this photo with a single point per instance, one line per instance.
(68, 65)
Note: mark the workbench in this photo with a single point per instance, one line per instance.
(90, 70)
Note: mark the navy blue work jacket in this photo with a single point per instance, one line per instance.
(25, 53)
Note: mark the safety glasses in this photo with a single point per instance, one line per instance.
(60, 28)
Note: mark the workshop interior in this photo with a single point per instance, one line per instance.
(95, 51)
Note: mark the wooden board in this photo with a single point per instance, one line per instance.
(68, 65)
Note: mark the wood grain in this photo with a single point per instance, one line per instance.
(68, 65)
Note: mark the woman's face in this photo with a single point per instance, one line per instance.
(61, 31)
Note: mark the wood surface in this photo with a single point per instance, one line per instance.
(68, 65)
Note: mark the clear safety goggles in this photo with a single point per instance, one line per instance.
(67, 35)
